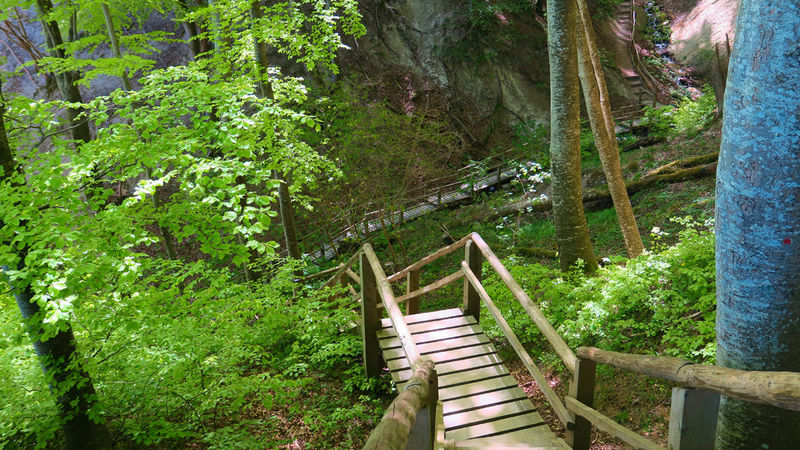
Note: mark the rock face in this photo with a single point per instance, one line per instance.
(697, 27)
(489, 62)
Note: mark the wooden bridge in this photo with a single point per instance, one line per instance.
(456, 392)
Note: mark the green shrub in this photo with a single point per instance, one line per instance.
(661, 301)
(688, 118)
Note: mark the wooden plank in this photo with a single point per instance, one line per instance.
(438, 346)
(426, 317)
(531, 438)
(537, 374)
(414, 295)
(430, 258)
(469, 376)
(445, 356)
(424, 327)
(484, 399)
(466, 390)
(434, 335)
(460, 365)
(487, 414)
(533, 311)
(610, 426)
(531, 419)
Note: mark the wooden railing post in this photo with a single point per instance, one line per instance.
(472, 300)
(579, 434)
(423, 432)
(369, 316)
(693, 419)
(412, 306)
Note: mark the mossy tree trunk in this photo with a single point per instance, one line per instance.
(572, 234)
(758, 219)
(595, 94)
(69, 382)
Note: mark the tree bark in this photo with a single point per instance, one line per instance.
(75, 394)
(595, 94)
(758, 219)
(572, 234)
(66, 80)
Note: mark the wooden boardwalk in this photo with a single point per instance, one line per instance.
(483, 407)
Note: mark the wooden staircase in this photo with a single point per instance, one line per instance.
(481, 402)
(456, 393)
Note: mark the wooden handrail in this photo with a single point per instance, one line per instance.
(608, 425)
(395, 427)
(346, 265)
(390, 304)
(556, 341)
(781, 389)
(432, 287)
(551, 396)
(429, 259)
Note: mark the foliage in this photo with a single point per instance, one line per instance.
(603, 9)
(180, 349)
(688, 118)
(534, 139)
(663, 300)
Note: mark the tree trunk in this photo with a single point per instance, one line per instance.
(75, 394)
(265, 90)
(66, 81)
(572, 234)
(595, 94)
(758, 219)
(112, 37)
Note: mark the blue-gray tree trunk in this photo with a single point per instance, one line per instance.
(758, 219)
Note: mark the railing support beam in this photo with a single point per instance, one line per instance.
(579, 436)
(369, 315)
(472, 300)
(412, 306)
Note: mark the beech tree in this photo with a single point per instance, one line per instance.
(598, 106)
(758, 219)
(572, 233)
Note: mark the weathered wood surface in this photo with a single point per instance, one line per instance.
(412, 284)
(444, 251)
(537, 374)
(781, 389)
(395, 427)
(431, 287)
(479, 396)
(610, 426)
(390, 304)
(346, 265)
(693, 419)
(556, 341)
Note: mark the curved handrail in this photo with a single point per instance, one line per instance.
(636, 60)
(781, 389)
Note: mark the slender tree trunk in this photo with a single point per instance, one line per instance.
(572, 233)
(75, 394)
(758, 219)
(112, 37)
(265, 90)
(66, 81)
(595, 94)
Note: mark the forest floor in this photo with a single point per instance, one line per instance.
(638, 402)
